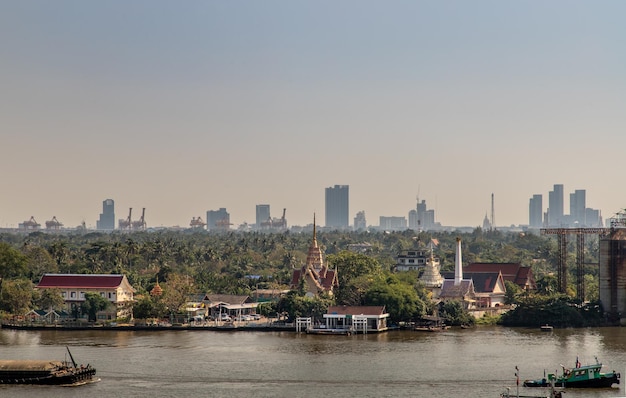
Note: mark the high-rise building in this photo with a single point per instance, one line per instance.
(555, 206)
(392, 223)
(262, 215)
(577, 206)
(337, 206)
(425, 217)
(413, 224)
(107, 217)
(217, 219)
(360, 224)
(535, 211)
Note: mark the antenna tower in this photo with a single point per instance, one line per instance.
(493, 214)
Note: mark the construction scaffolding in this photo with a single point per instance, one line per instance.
(580, 255)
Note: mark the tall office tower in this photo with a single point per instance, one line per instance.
(593, 218)
(360, 224)
(217, 219)
(577, 206)
(555, 206)
(337, 206)
(413, 220)
(262, 215)
(429, 219)
(107, 217)
(535, 211)
(421, 211)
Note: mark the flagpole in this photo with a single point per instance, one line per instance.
(517, 379)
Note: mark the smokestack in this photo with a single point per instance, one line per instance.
(458, 263)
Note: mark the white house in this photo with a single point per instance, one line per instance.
(73, 287)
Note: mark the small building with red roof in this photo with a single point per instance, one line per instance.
(512, 272)
(73, 287)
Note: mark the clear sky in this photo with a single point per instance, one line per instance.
(187, 106)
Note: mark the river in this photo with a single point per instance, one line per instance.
(477, 362)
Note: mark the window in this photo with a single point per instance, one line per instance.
(110, 295)
(82, 295)
(102, 294)
(73, 295)
(64, 294)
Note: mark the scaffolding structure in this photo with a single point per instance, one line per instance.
(580, 255)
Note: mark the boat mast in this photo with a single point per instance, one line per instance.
(71, 357)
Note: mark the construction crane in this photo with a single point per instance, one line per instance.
(197, 223)
(126, 224)
(141, 223)
(276, 223)
(224, 224)
(31, 224)
(53, 224)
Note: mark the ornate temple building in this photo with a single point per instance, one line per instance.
(315, 273)
(431, 277)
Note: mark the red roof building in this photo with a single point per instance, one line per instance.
(512, 272)
(73, 287)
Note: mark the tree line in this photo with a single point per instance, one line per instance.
(200, 262)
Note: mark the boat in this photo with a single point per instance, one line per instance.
(45, 372)
(580, 376)
(546, 328)
(552, 393)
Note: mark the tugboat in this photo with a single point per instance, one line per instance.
(581, 376)
(45, 372)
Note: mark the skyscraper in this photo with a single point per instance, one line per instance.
(337, 206)
(262, 215)
(107, 217)
(577, 206)
(555, 206)
(535, 211)
(218, 219)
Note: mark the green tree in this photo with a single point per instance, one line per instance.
(547, 285)
(400, 299)
(512, 291)
(353, 272)
(16, 296)
(149, 307)
(48, 299)
(12, 262)
(454, 314)
(176, 291)
(93, 304)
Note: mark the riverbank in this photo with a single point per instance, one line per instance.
(154, 328)
(253, 327)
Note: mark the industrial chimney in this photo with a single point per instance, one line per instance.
(458, 264)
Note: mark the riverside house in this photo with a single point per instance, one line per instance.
(73, 287)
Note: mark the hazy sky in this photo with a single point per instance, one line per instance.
(187, 106)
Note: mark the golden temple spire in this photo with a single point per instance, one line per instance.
(314, 232)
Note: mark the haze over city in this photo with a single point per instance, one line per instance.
(184, 107)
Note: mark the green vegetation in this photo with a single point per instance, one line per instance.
(200, 262)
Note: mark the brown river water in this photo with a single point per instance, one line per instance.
(477, 362)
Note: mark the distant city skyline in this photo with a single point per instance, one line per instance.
(418, 218)
(182, 108)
